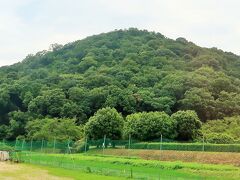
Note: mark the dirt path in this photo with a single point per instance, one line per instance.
(9, 171)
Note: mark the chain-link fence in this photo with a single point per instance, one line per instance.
(65, 154)
(57, 147)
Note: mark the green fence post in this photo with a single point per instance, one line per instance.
(129, 141)
(23, 141)
(3, 143)
(42, 145)
(22, 148)
(104, 143)
(54, 145)
(68, 145)
(85, 148)
(161, 142)
(160, 147)
(70, 152)
(31, 146)
(203, 148)
(129, 144)
(15, 146)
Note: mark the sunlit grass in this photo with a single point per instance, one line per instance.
(126, 167)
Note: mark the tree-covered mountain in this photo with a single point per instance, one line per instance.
(131, 70)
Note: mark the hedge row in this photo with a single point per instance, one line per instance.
(187, 147)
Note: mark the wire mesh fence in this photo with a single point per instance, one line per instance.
(89, 166)
(61, 147)
(65, 154)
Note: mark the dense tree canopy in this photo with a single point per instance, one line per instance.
(187, 124)
(105, 122)
(129, 70)
(50, 129)
(149, 126)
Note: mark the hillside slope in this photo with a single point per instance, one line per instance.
(131, 70)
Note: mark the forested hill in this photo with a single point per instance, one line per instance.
(131, 70)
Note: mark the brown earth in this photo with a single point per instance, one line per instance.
(185, 156)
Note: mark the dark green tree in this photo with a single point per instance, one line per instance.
(50, 129)
(49, 103)
(187, 124)
(149, 126)
(105, 122)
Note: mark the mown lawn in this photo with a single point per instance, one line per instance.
(125, 167)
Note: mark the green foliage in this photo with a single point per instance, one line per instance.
(3, 131)
(18, 121)
(80, 146)
(4, 147)
(129, 70)
(145, 126)
(105, 122)
(49, 103)
(201, 101)
(219, 138)
(49, 129)
(187, 124)
(222, 131)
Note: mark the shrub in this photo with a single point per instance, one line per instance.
(148, 126)
(227, 126)
(219, 138)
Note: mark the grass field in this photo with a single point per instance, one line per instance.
(133, 167)
(10, 171)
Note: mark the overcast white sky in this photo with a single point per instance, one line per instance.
(29, 26)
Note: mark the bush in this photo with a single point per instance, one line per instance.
(149, 126)
(219, 138)
(50, 128)
(228, 126)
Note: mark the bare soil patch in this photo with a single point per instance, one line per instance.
(8, 167)
(185, 156)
